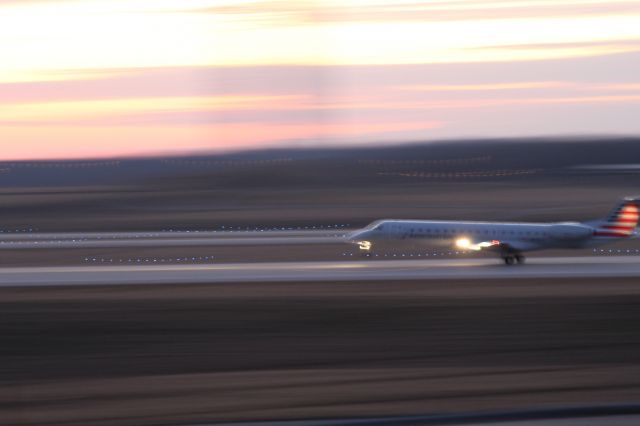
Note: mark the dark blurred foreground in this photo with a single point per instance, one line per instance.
(154, 355)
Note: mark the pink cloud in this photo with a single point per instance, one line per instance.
(337, 104)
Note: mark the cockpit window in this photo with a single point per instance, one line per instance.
(375, 225)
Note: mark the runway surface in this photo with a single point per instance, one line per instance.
(443, 269)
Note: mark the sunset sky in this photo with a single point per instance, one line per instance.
(103, 78)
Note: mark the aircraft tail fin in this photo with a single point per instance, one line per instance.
(622, 220)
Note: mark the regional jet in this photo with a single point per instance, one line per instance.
(509, 240)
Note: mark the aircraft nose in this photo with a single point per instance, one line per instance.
(358, 235)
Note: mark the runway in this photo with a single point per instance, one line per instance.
(441, 269)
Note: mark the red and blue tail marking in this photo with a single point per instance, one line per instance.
(621, 222)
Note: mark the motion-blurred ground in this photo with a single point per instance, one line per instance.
(518, 180)
(507, 180)
(185, 354)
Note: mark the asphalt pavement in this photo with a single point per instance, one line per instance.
(150, 272)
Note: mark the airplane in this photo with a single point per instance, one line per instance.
(509, 240)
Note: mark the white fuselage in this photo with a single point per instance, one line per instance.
(509, 239)
(514, 236)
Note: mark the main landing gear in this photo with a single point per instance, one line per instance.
(513, 259)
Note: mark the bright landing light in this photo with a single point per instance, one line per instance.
(463, 243)
(466, 244)
(364, 245)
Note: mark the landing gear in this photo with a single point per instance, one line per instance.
(512, 259)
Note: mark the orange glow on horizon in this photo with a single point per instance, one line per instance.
(107, 141)
(76, 85)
